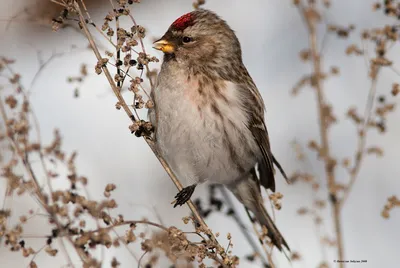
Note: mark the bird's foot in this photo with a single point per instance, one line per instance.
(184, 195)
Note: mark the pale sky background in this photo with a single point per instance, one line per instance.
(271, 33)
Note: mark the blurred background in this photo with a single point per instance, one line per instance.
(271, 33)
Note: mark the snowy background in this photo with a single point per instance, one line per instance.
(271, 33)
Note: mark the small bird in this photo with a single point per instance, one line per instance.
(209, 116)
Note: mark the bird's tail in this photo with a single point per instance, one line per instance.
(248, 192)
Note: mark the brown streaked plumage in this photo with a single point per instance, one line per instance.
(209, 116)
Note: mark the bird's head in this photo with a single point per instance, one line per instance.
(200, 37)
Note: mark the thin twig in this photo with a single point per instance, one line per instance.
(362, 140)
(38, 193)
(144, 50)
(141, 258)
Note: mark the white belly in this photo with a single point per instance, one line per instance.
(194, 142)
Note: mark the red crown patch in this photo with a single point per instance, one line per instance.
(183, 22)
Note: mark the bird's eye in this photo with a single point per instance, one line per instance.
(187, 39)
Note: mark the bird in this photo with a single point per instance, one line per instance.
(208, 115)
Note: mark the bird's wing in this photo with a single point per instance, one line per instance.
(265, 167)
(256, 125)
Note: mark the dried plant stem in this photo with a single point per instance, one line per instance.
(323, 129)
(130, 223)
(26, 163)
(114, 87)
(34, 117)
(40, 196)
(123, 104)
(144, 51)
(127, 247)
(362, 140)
(317, 225)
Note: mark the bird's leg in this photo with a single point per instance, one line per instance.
(184, 195)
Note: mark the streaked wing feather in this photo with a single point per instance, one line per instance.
(265, 167)
(255, 110)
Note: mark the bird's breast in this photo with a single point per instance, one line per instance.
(200, 126)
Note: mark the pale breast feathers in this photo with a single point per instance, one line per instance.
(203, 122)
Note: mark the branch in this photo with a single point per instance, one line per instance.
(362, 141)
(310, 16)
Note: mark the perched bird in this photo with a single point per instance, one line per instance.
(209, 116)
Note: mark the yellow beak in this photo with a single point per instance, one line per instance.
(164, 46)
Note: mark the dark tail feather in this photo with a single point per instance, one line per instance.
(247, 191)
(273, 232)
(280, 168)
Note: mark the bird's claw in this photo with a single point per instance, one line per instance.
(184, 195)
